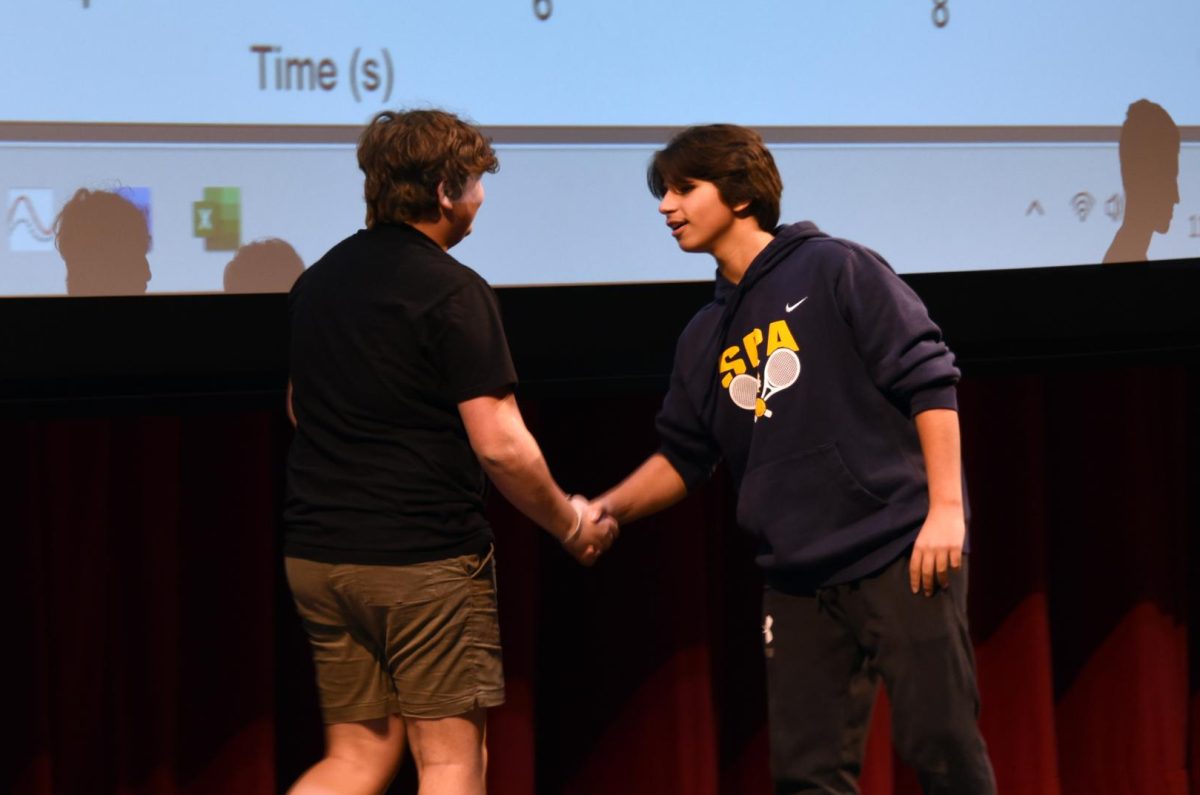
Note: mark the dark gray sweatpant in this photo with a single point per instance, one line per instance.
(826, 652)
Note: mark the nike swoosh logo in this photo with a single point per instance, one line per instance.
(790, 307)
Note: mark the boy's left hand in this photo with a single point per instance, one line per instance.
(937, 550)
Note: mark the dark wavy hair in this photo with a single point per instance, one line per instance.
(405, 155)
(733, 158)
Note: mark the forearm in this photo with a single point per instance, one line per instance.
(653, 486)
(941, 446)
(939, 544)
(513, 461)
(291, 411)
(520, 473)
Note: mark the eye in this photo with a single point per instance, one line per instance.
(684, 188)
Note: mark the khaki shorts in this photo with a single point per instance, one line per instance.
(420, 640)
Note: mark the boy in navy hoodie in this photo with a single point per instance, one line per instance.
(818, 377)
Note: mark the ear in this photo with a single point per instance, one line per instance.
(741, 210)
(444, 201)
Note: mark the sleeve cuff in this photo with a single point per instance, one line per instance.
(693, 475)
(485, 388)
(945, 397)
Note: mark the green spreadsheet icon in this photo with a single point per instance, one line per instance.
(218, 219)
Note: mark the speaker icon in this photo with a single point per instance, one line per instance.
(1115, 207)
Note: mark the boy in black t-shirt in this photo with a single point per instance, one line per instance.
(401, 392)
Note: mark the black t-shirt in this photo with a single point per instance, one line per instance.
(389, 334)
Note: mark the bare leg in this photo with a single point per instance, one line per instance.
(451, 753)
(360, 759)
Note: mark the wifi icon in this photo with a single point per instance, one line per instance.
(1083, 203)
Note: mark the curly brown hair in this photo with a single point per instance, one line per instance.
(733, 158)
(406, 155)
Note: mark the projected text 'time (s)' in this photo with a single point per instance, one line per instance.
(366, 74)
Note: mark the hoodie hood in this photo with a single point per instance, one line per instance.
(787, 238)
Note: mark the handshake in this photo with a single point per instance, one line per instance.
(594, 532)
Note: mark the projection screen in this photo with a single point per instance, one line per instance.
(946, 134)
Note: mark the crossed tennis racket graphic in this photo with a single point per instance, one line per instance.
(781, 371)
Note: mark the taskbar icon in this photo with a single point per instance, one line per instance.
(29, 219)
(217, 219)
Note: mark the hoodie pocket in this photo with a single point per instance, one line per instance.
(796, 501)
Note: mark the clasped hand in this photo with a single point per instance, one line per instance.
(597, 532)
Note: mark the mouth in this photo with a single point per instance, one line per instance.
(676, 227)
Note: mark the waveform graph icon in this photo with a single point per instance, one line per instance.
(1083, 203)
(29, 219)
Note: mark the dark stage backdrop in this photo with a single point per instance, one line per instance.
(151, 646)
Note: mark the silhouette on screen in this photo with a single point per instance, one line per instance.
(264, 266)
(1149, 152)
(103, 239)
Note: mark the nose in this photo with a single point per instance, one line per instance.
(667, 205)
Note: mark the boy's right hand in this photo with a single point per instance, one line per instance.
(597, 532)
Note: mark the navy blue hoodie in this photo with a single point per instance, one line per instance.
(805, 378)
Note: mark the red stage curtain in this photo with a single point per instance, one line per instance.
(153, 648)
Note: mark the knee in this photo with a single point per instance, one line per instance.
(443, 744)
(471, 763)
(950, 755)
(943, 741)
(376, 762)
(370, 748)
